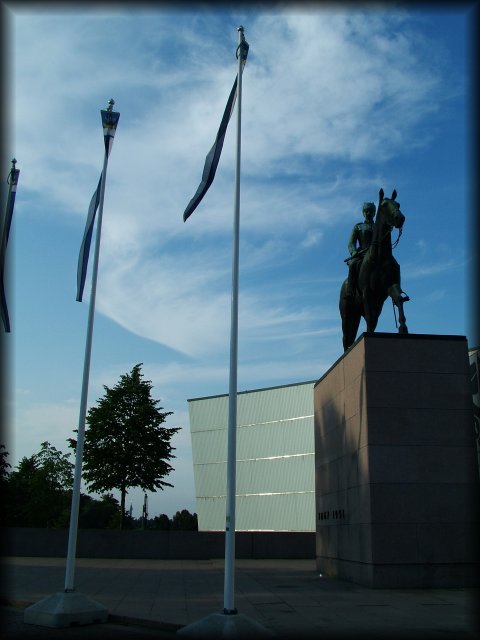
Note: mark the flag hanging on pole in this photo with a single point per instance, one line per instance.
(213, 156)
(7, 223)
(109, 122)
(87, 240)
(13, 182)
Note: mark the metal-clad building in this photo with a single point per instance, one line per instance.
(275, 485)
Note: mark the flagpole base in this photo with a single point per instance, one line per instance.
(222, 625)
(64, 609)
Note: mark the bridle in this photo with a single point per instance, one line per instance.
(398, 239)
(389, 230)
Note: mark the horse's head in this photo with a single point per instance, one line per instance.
(389, 209)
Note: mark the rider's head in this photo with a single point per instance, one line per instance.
(368, 211)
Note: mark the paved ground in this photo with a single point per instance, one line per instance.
(13, 627)
(147, 598)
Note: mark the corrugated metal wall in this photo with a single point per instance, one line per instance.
(275, 459)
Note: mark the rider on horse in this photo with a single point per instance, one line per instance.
(361, 235)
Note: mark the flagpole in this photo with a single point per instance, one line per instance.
(229, 578)
(73, 530)
(229, 623)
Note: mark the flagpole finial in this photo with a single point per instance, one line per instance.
(243, 46)
(13, 174)
(111, 102)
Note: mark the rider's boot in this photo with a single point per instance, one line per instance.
(350, 288)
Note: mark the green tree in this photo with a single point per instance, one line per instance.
(126, 444)
(39, 490)
(99, 514)
(162, 522)
(185, 521)
(4, 465)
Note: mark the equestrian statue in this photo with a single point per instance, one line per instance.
(374, 274)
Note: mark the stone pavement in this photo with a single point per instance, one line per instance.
(157, 597)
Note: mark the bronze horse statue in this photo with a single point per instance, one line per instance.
(378, 278)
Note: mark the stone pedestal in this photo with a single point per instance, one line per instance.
(397, 482)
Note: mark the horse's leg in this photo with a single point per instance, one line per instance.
(350, 326)
(350, 318)
(395, 292)
(345, 333)
(355, 324)
(370, 312)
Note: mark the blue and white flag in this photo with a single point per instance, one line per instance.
(109, 123)
(12, 192)
(213, 156)
(87, 240)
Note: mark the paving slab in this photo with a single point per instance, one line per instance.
(287, 597)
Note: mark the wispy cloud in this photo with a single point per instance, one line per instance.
(336, 103)
(324, 95)
(425, 270)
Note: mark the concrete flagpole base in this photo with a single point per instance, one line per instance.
(63, 609)
(222, 625)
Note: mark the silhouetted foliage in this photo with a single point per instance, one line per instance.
(185, 521)
(161, 522)
(38, 491)
(99, 514)
(126, 445)
(181, 521)
(4, 465)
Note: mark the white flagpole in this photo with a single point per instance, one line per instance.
(229, 578)
(72, 534)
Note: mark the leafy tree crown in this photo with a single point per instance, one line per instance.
(126, 442)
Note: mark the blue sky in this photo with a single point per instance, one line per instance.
(337, 103)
